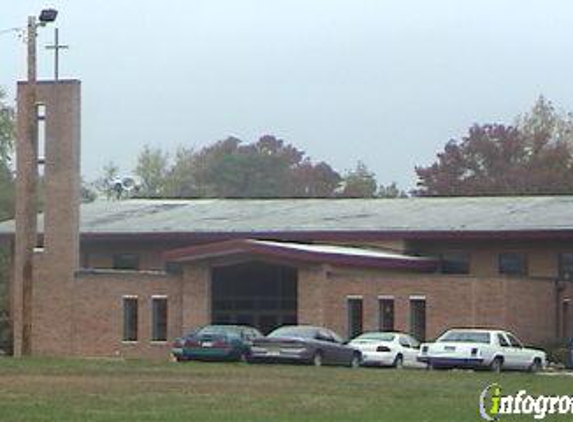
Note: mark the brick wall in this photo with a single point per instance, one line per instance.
(526, 306)
(95, 310)
(98, 313)
(52, 267)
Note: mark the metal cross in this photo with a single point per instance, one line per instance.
(57, 47)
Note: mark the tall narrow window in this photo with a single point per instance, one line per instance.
(418, 318)
(41, 160)
(566, 266)
(130, 318)
(566, 330)
(354, 316)
(512, 263)
(386, 313)
(159, 319)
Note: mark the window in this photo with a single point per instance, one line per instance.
(324, 335)
(404, 342)
(502, 341)
(465, 337)
(336, 337)
(126, 261)
(415, 343)
(455, 263)
(386, 314)
(514, 342)
(566, 266)
(566, 333)
(418, 318)
(354, 317)
(512, 264)
(159, 319)
(130, 318)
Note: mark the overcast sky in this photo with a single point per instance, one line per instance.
(383, 81)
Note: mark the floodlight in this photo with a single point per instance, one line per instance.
(48, 15)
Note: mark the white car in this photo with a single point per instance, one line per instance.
(473, 348)
(387, 349)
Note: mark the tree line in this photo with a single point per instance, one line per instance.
(531, 156)
(231, 168)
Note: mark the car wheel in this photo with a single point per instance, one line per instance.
(244, 356)
(535, 366)
(317, 359)
(398, 362)
(356, 360)
(496, 365)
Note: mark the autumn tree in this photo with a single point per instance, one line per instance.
(267, 168)
(499, 160)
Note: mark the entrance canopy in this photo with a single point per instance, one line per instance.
(303, 253)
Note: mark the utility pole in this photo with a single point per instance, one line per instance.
(26, 191)
(30, 196)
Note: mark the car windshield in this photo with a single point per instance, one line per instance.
(465, 337)
(377, 336)
(300, 332)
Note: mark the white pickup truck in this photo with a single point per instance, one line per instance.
(481, 348)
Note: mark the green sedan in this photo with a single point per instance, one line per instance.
(216, 342)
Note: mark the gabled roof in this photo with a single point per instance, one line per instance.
(340, 255)
(401, 218)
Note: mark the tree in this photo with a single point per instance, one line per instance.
(391, 191)
(180, 180)
(103, 184)
(6, 208)
(359, 183)
(232, 169)
(315, 180)
(499, 160)
(88, 194)
(152, 168)
(544, 122)
(6, 149)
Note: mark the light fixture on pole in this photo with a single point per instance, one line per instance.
(29, 175)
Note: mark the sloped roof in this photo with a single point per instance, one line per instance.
(408, 215)
(335, 254)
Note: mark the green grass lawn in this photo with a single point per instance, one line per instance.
(97, 390)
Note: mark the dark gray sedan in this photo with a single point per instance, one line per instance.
(304, 344)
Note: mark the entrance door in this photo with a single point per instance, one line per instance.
(258, 294)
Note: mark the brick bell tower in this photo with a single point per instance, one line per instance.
(43, 282)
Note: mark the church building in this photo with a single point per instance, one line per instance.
(126, 277)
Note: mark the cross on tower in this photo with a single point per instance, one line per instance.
(57, 47)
